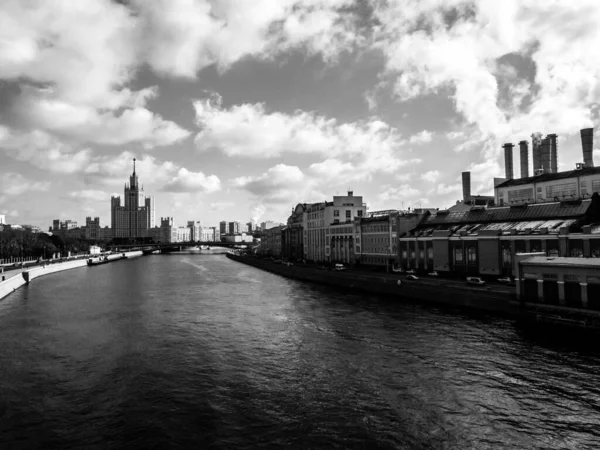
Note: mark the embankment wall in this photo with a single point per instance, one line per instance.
(464, 297)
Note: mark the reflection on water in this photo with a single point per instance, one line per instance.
(194, 349)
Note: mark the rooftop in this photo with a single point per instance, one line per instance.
(551, 176)
(562, 261)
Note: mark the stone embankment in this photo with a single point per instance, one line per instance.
(496, 299)
(17, 278)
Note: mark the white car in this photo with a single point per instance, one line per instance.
(411, 271)
(505, 280)
(433, 274)
(412, 277)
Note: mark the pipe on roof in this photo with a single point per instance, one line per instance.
(553, 153)
(466, 185)
(508, 160)
(524, 155)
(587, 145)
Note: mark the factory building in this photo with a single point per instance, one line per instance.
(557, 213)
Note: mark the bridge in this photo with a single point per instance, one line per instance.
(176, 246)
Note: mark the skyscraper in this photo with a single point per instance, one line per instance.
(136, 217)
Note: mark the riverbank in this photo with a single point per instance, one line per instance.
(17, 279)
(499, 299)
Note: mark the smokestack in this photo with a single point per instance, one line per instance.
(524, 159)
(553, 153)
(587, 144)
(466, 184)
(545, 155)
(536, 141)
(508, 160)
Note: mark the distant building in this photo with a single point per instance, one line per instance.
(2, 219)
(250, 227)
(63, 225)
(223, 227)
(234, 228)
(269, 224)
(183, 234)
(136, 216)
(195, 230)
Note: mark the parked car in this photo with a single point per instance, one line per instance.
(287, 263)
(505, 280)
(412, 277)
(411, 271)
(433, 274)
(475, 280)
(277, 261)
(339, 267)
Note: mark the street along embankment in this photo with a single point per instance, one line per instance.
(439, 291)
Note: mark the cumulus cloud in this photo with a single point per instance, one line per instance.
(12, 183)
(394, 195)
(279, 185)
(353, 150)
(183, 36)
(69, 66)
(431, 176)
(504, 81)
(421, 137)
(186, 181)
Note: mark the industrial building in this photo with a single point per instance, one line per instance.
(557, 213)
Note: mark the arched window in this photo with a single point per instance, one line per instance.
(596, 253)
(506, 256)
(430, 253)
(553, 252)
(577, 252)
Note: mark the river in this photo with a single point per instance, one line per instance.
(191, 350)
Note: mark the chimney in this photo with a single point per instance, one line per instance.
(508, 160)
(350, 193)
(587, 144)
(545, 155)
(524, 159)
(553, 153)
(536, 141)
(466, 185)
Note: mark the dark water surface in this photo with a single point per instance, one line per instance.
(184, 350)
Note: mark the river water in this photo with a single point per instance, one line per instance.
(189, 350)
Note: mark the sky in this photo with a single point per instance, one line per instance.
(241, 109)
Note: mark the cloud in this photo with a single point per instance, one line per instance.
(89, 195)
(503, 81)
(280, 184)
(431, 176)
(422, 137)
(393, 196)
(12, 183)
(68, 68)
(352, 150)
(186, 181)
(220, 206)
(181, 37)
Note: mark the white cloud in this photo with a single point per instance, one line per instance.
(443, 189)
(394, 196)
(186, 181)
(72, 64)
(16, 184)
(353, 150)
(220, 206)
(421, 137)
(431, 176)
(280, 184)
(90, 194)
(181, 37)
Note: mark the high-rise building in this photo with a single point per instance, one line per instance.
(136, 217)
(195, 230)
(2, 219)
(223, 227)
(234, 228)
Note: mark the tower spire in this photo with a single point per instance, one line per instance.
(133, 166)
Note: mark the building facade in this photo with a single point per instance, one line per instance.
(136, 216)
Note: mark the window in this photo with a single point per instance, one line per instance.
(561, 190)
(458, 255)
(471, 255)
(360, 213)
(336, 220)
(596, 186)
(520, 195)
(348, 214)
(336, 213)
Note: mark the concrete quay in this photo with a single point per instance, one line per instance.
(491, 298)
(14, 279)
